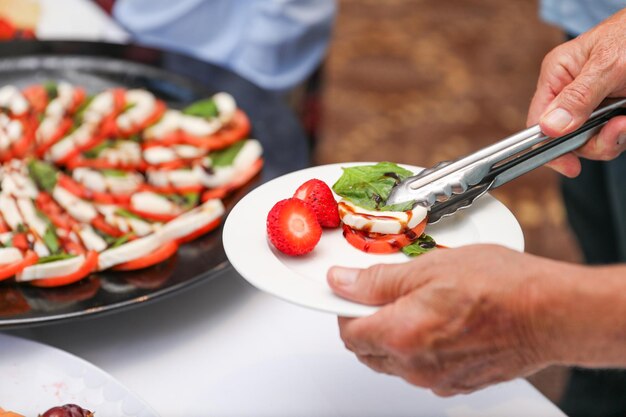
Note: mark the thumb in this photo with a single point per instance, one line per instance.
(574, 104)
(376, 285)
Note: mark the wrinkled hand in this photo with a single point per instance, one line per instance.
(575, 77)
(455, 320)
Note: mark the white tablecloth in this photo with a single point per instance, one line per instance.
(226, 349)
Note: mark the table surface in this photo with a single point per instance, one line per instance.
(224, 348)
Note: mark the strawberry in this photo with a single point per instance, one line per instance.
(319, 196)
(292, 227)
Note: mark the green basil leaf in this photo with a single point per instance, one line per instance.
(43, 174)
(54, 258)
(226, 157)
(128, 214)
(51, 240)
(78, 116)
(369, 186)
(203, 108)
(52, 90)
(94, 152)
(423, 244)
(113, 173)
(120, 240)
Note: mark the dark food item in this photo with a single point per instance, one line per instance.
(67, 410)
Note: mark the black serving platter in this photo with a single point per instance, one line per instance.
(178, 80)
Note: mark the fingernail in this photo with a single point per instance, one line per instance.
(621, 140)
(345, 277)
(557, 119)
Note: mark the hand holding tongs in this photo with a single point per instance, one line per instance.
(451, 186)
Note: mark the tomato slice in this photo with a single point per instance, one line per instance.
(381, 243)
(170, 189)
(79, 190)
(90, 264)
(20, 241)
(20, 148)
(37, 96)
(241, 180)
(101, 163)
(101, 224)
(63, 129)
(157, 217)
(237, 129)
(151, 119)
(158, 256)
(200, 232)
(7, 271)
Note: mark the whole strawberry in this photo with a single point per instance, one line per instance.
(292, 227)
(319, 196)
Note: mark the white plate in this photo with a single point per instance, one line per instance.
(302, 280)
(37, 377)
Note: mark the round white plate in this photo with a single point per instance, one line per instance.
(302, 280)
(37, 377)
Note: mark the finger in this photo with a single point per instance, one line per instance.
(363, 336)
(574, 104)
(556, 73)
(608, 144)
(567, 165)
(383, 364)
(376, 285)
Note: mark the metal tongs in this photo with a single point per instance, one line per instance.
(453, 185)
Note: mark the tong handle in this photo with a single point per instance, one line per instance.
(556, 147)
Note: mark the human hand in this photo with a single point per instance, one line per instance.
(454, 320)
(575, 77)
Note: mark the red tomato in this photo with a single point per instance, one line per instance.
(90, 264)
(158, 256)
(381, 243)
(7, 271)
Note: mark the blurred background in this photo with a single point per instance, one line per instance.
(409, 81)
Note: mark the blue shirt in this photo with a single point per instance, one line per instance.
(578, 16)
(276, 44)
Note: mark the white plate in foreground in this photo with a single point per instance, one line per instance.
(302, 280)
(37, 377)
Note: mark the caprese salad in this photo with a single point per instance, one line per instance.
(294, 225)
(113, 180)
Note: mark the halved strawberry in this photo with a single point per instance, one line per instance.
(319, 196)
(292, 227)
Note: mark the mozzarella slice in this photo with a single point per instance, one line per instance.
(51, 270)
(11, 98)
(386, 222)
(169, 123)
(198, 126)
(29, 214)
(150, 202)
(9, 211)
(219, 176)
(179, 178)
(79, 209)
(226, 106)
(125, 152)
(10, 255)
(192, 220)
(159, 155)
(91, 239)
(128, 251)
(143, 105)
